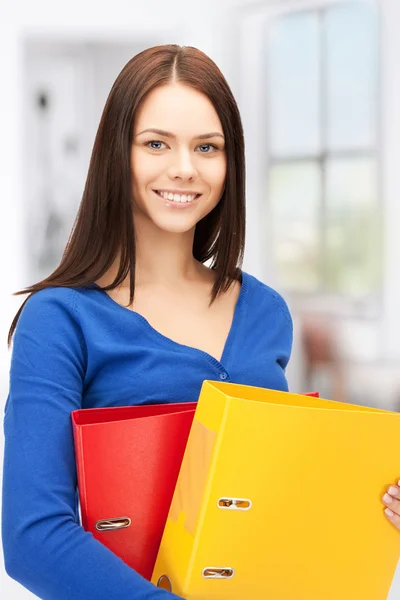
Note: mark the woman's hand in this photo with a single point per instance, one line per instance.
(392, 501)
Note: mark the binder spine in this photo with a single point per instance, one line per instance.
(78, 438)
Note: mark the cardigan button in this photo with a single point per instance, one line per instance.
(223, 375)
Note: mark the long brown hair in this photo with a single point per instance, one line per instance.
(104, 225)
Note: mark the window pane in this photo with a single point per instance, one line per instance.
(294, 85)
(294, 193)
(351, 67)
(353, 226)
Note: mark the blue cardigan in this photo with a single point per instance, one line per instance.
(78, 348)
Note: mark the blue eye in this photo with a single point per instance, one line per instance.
(209, 146)
(154, 142)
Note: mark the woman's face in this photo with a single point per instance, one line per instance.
(178, 171)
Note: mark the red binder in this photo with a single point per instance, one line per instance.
(128, 460)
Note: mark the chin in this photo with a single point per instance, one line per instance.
(174, 226)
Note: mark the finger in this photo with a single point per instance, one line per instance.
(393, 492)
(392, 500)
(392, 517)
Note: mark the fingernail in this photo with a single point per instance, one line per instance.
(389, 512)
(387, 498)
(393, 491)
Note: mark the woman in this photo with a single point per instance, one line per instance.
(132, 314)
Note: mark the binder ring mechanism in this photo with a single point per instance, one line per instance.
(113, 524)
(234, 504)
(164, 583)
(218, 573)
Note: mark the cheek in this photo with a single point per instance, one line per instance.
(217, 174)
(145, 168)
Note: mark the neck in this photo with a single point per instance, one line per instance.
(162, 257)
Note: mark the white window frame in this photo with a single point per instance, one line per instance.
(335, 303)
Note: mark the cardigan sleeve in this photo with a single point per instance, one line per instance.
(45, 548)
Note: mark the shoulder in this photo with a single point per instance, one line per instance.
(51, 310)
(50, 301)
(48, 336)
(266, 298)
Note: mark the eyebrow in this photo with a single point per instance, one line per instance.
(168, 134)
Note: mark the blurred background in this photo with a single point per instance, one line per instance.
(318, 87)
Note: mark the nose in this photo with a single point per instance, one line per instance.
(182, 166)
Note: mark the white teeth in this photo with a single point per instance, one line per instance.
(177, 197)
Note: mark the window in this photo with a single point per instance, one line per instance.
(323, 176)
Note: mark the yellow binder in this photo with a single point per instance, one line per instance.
(279, 498)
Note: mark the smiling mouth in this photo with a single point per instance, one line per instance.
(177, 199)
